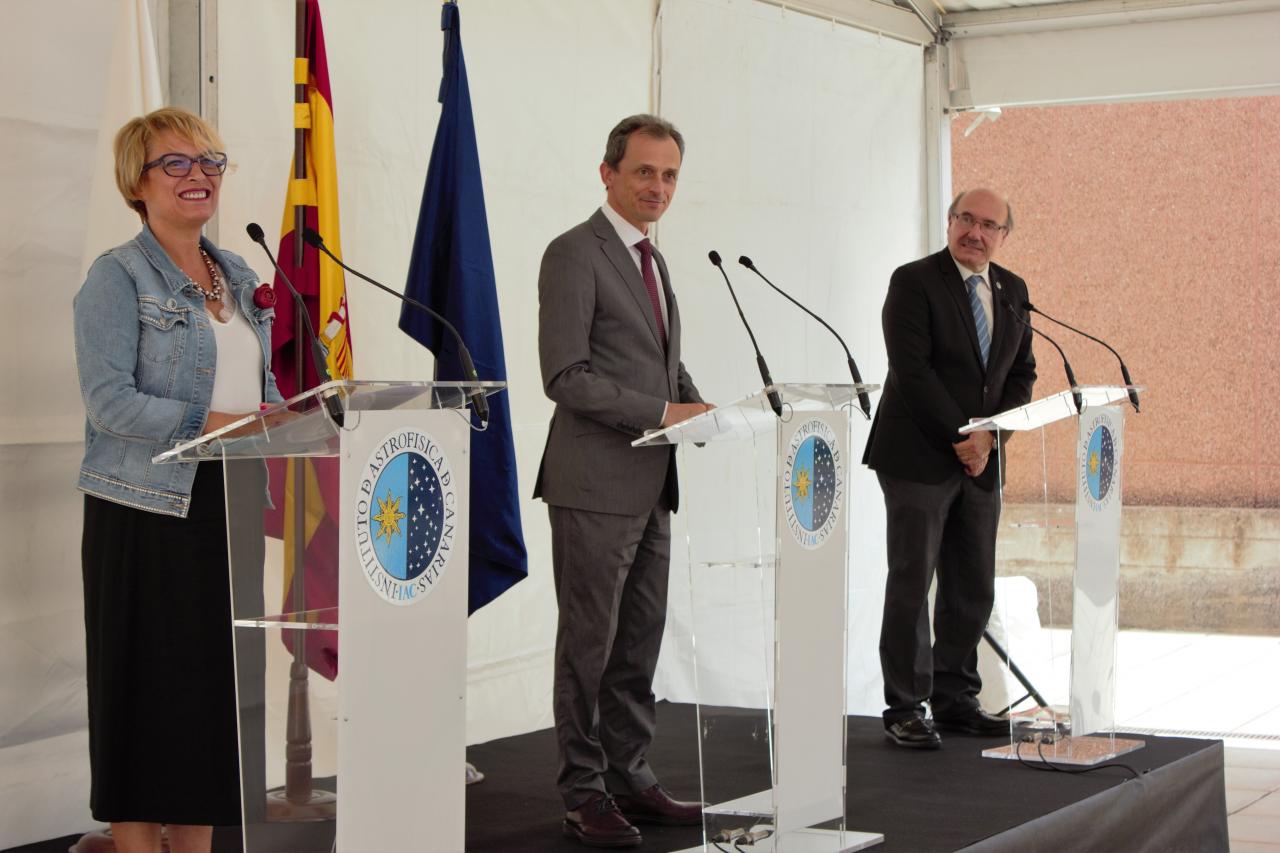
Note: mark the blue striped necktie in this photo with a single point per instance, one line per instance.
(979, 316)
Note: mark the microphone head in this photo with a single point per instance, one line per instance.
(746, 262)
(255, 232)
(312, 238)
(714, 257)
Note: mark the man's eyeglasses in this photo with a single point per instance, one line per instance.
(966, 221)
(179, 165)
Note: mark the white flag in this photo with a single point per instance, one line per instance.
(133, 88)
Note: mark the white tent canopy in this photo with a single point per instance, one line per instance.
(818, 142)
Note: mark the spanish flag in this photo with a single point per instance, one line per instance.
(323, 289)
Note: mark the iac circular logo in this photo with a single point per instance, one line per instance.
(405, 516)
(1099, 469)
(812, 483)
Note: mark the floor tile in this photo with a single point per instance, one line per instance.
(1250, 743)
(1223, 696)
(1172, 680)
(1235, 756)
(1263, 724)
(1238, 799)
(1254, 847)
(1268, 806)
(1258, 828)
(1255, 778)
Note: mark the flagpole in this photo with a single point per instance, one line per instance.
(300, 801)
(298, 727)
(299, 146)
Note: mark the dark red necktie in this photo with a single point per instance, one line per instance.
(651, 285)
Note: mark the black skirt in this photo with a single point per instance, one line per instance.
(161, 678)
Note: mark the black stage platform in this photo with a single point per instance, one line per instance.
(951, 799)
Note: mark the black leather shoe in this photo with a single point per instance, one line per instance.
(913, 733)
(655, 805)
(598, 823)
(974, 722)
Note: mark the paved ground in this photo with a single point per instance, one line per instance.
(1196, 685)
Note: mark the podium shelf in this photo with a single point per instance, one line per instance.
(302, 426)
(1049, 409)
(751, 416)
(764, 562)
(325, 619)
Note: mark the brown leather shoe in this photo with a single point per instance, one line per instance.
(598, 823)
(655, 805)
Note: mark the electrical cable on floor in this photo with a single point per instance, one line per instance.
(1049, 766)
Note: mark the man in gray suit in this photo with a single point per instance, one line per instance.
(609, 345)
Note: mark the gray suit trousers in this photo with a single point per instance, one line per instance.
(611, 586)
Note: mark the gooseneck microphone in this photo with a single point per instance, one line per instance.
(1124, 371)
(863, 399)
(319, 352)
(1071, 375)
(775, 402)
(478, 401)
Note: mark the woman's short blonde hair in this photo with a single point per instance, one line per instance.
(132, 141)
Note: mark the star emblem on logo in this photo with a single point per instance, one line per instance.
(802, 483)
(389, 516)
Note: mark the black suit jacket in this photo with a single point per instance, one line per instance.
(936, 381)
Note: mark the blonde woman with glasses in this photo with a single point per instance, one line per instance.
(173, 340)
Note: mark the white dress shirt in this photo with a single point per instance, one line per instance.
(630, 235)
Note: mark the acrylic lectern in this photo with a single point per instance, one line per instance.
(375, 504)
(768, 503)
(1082, 732)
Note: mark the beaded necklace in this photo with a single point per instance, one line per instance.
(215, 293)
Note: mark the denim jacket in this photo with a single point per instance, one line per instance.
(146, 356)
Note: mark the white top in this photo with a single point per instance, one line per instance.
(630, 235)
(237, 379)
(984, 291)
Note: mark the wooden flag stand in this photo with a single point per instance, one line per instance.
(299, 800)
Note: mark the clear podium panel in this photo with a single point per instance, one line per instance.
(1095, 593)
(733, 635)
(1070, 659)
(285, 643)
(320, 503)
(743, 419)
(1050, 409)
(768, 548)
(304, 425)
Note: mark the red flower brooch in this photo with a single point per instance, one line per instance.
(264, 297)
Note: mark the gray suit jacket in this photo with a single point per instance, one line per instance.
(603, 366)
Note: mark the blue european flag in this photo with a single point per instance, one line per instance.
(452, 271)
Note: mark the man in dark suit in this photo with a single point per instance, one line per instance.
(609, 345)
(955, 353)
